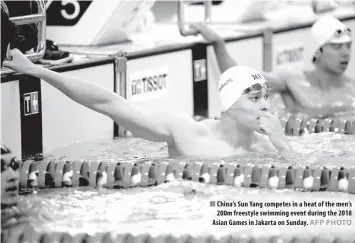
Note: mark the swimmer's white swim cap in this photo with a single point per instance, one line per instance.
(234, 81)
(323, 31)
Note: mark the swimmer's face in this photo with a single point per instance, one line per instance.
(9, 180)
(250, 106)
(335, 57)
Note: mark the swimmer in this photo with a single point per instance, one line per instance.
(244, 94)
(9, 164)
(320, 89)
(9, 178)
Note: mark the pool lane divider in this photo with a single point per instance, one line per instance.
(28, 234)
(124, 175)
(297, 126)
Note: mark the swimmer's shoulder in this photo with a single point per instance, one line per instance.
(178, 121)
(289, 74)
(208, 125)
(292, 73)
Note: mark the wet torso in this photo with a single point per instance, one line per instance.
(305, 96)
(206, 143)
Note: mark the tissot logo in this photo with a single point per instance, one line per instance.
(30, 101)
(66, 12)
(200, 70)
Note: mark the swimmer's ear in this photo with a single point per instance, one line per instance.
(317, 54)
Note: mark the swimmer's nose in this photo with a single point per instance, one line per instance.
(265, 105)
(345, 51)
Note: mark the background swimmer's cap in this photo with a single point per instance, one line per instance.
(322, 32)
(234, 81)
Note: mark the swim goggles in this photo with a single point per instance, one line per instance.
(257, 87)
(14, 164)
(341, 32)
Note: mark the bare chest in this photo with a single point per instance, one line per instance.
(206, 146)
(307, 94)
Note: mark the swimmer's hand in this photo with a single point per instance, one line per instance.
(270, 125)
(19, 62)
(207, 32)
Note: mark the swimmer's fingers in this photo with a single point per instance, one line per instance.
(18, 62)
(267, 114)
(265, 119)
(264, 128)
(207, 32)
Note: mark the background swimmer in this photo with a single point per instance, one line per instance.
(321, 88)
(243, 92)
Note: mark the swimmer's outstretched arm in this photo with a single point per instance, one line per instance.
(278, 80)
(98, 99)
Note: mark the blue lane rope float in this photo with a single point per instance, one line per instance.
(128, 175)
(28, 234)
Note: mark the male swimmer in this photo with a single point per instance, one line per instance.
(244, 95)
(9, 165)
(13, 219)
(319, 90)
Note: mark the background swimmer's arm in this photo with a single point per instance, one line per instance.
(277, 80)
(224, 60)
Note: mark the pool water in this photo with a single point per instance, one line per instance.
(172, 207)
